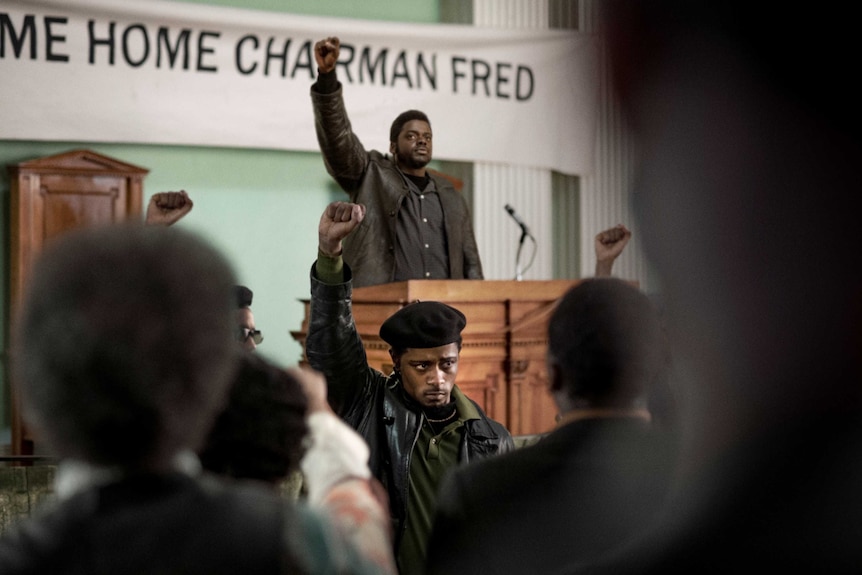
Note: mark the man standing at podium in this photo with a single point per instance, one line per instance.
(418, 226)
(416, 421)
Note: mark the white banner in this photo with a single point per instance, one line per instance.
(186, 74)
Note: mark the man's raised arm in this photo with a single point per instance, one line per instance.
(337, 221)
(609, 245)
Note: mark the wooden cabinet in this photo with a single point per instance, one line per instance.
(52, 195)
(502, 366)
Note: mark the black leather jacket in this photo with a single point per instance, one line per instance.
(373, 179)
(373, 403)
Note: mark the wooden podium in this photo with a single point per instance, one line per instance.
(502, 365)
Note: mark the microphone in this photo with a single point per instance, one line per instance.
(517, 219)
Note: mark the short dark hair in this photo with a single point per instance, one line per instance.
(260, 433)
(606, 337)
(402, 119)
(243, 296)
(123, 350)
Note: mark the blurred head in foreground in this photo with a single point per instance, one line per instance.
(605, 346)
(124, 347)
(747, 128)
(748, 173)
(260, 433)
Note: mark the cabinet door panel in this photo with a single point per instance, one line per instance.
(75, 201)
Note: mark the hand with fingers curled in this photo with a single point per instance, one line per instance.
(326, 53)
(336, 223)
(609, 245)
(167, 208)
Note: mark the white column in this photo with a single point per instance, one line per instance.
(606, 193)
(527, 190)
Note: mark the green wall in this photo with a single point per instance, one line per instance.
(260, 207)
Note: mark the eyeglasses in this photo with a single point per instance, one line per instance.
(244, 333)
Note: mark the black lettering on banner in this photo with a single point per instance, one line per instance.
(173, 52)
(94, 42)
(456, 72)
(50, 38)
(374, 66)
(524, 83)
(145, 45)
(204, 50)
(19, 38)
(344, 62)
(481, 73)
(399, 69)
(28, 29)
(502, 78)
(430, 74)
(481, 77)
(277, 50)
(136, 44)
(304, 59)
(239, 47)
(271, 55)
(365, 63)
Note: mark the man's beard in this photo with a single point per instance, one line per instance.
(409, 161)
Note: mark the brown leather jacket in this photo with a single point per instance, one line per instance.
(372, 179)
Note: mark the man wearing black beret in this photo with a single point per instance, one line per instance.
(417, 423)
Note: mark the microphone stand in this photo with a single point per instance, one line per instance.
(519, 273)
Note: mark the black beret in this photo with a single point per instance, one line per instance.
(243, 296)
(423, 324)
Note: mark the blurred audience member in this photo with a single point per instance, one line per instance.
(123, 355)
(747, 123)
(596, 480)
(247, 334)
(261, 433)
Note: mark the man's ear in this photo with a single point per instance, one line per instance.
(396, 360)
(392, 149)
(557, 388)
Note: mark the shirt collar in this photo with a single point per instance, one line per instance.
(465, 407)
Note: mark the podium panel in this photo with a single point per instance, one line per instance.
(502, 365)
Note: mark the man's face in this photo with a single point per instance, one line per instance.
(412, 151)
(245, 321)
(428, 374)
